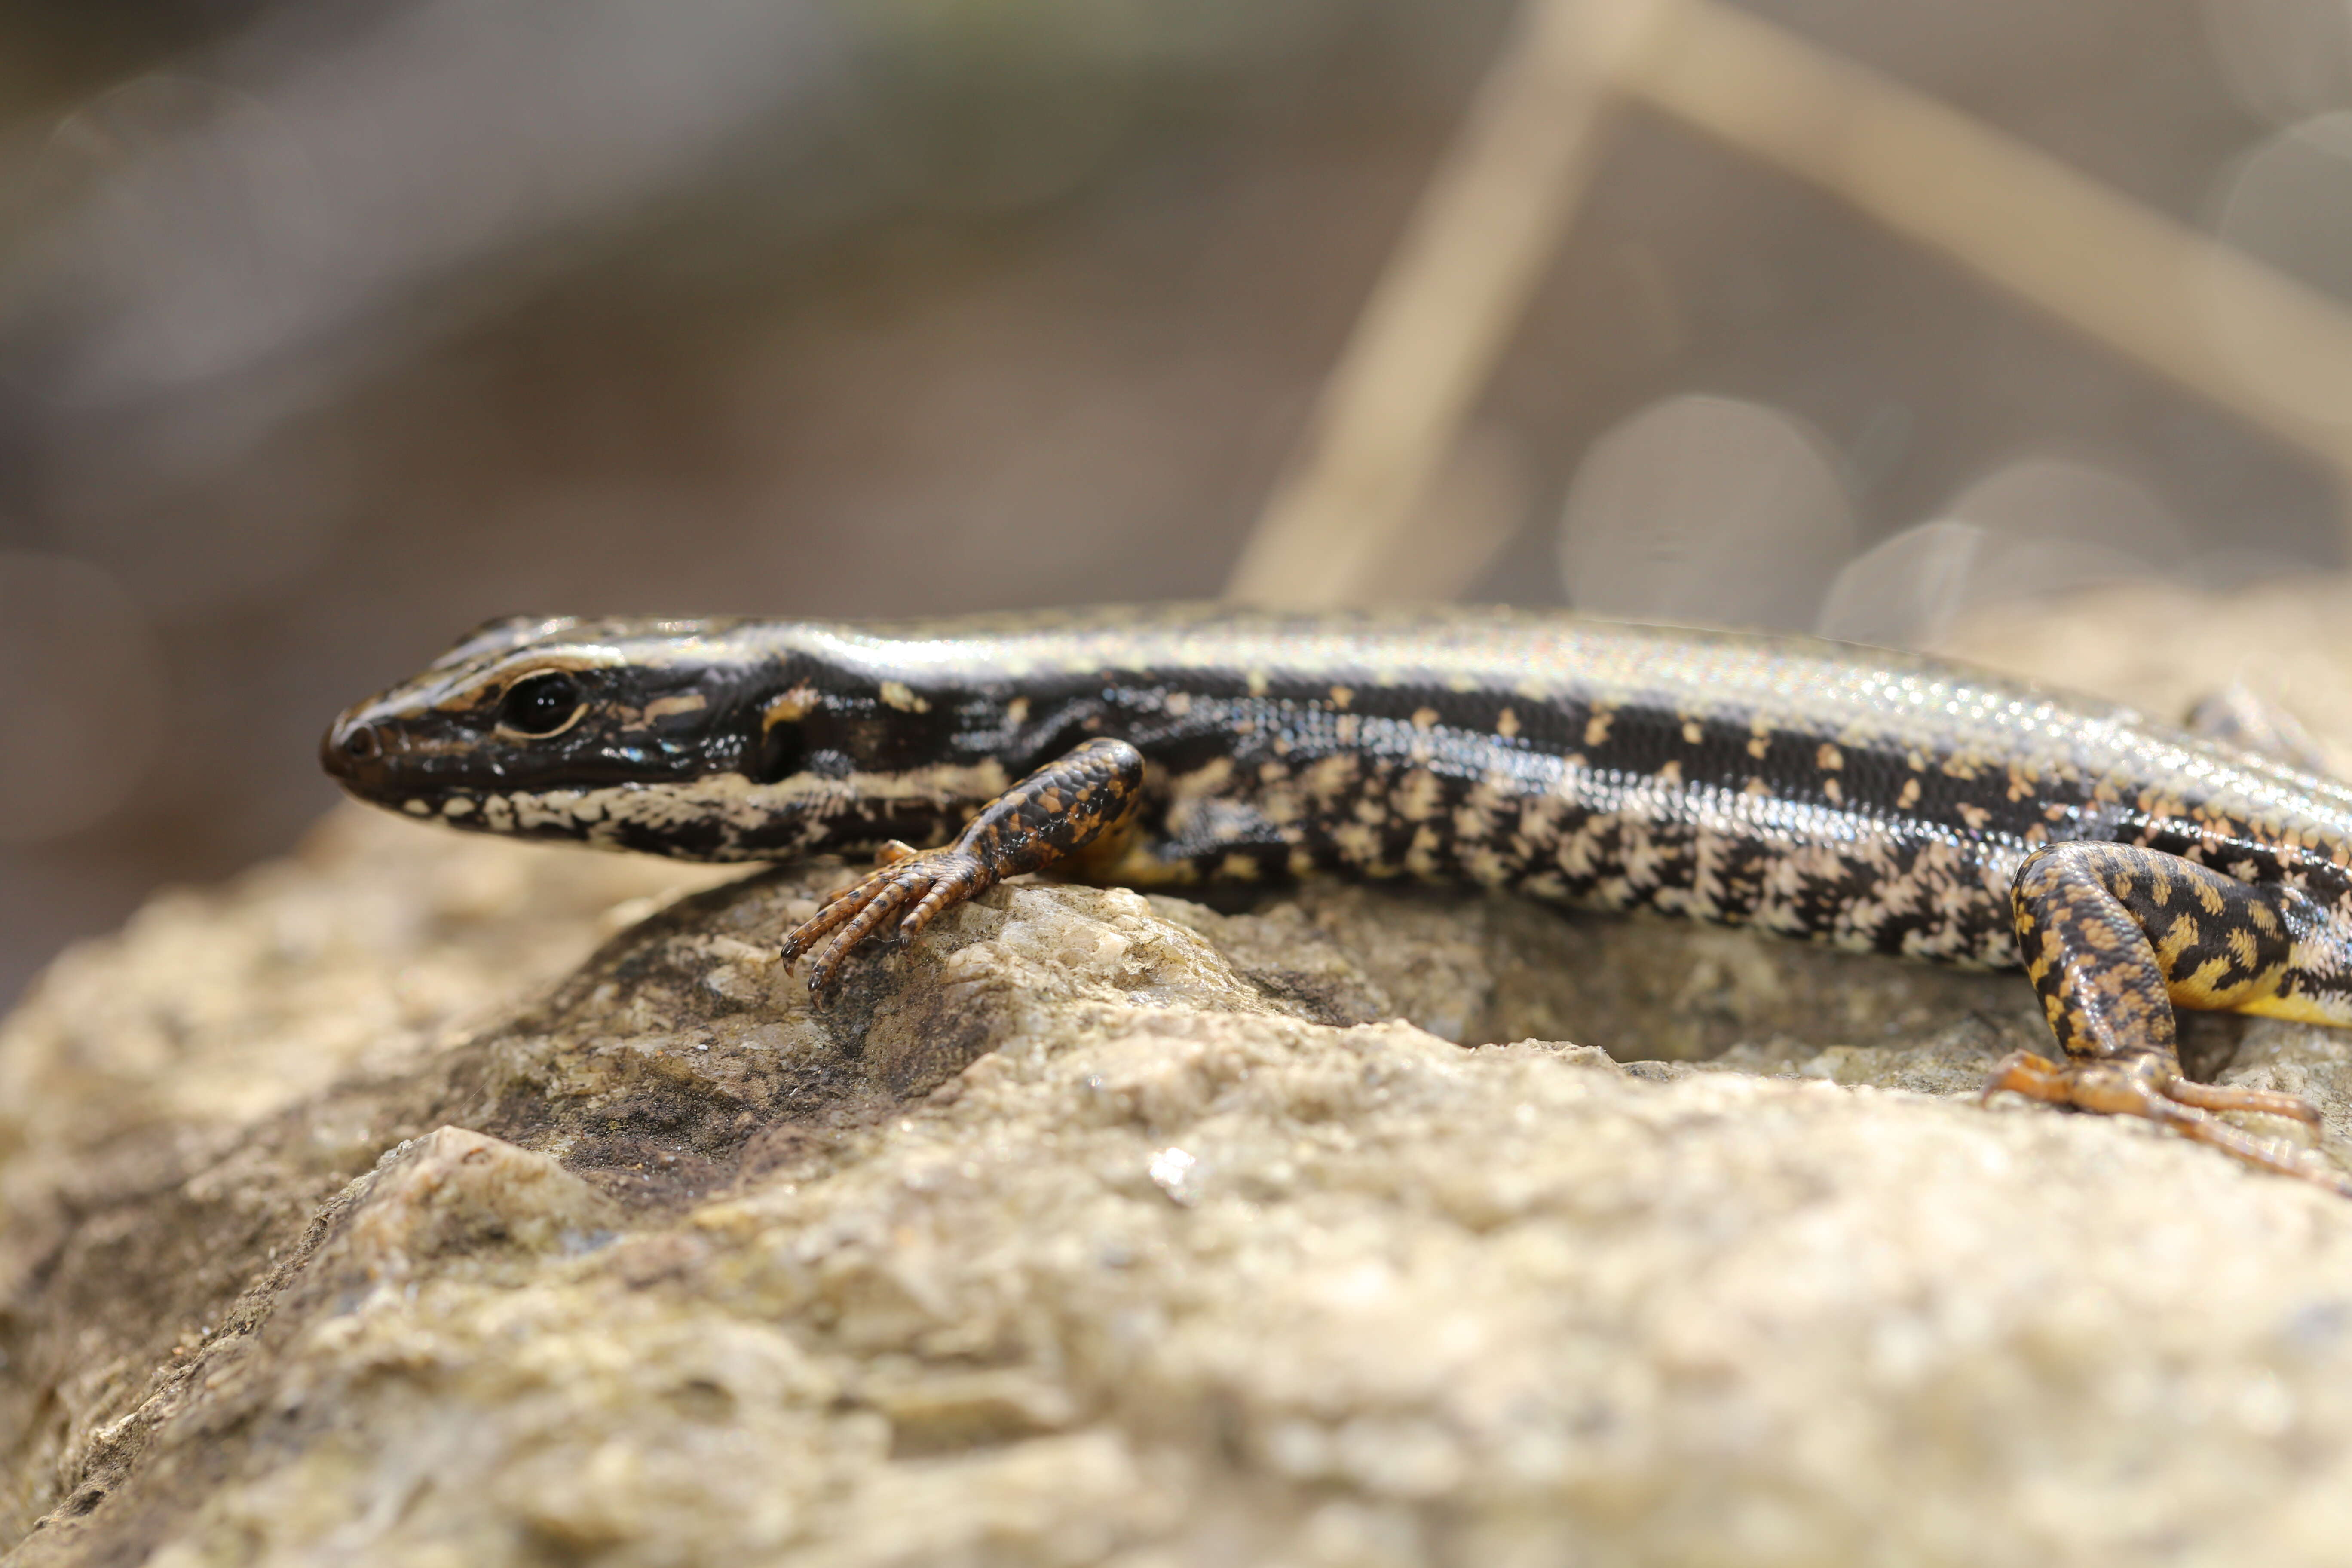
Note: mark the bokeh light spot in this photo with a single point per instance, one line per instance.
(1705, 509)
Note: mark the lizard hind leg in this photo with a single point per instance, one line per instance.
(2111, 935)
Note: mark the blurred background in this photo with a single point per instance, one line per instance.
(328, 331)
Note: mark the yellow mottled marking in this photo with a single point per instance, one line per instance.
(792, 706)
(1331, 777)
(1425, 717)
(1909, 795)
(1421, 854)
(1483, 865)
(2264, 999)
(1672, 773)
(1976, 816)
(1758, 746)
(1419, 796)
(1596, 729)
(2202, 989)
(1692, 733)
(2179, 937)
(1187, 791)
(1832, 791)
(1829, 759)
(1341, 696)
(1506, 723)
(899, 695)
(1258, 683)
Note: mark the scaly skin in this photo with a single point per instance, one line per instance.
(1873, 800)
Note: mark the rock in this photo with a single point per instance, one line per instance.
(368, 1209)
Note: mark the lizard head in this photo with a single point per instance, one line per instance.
(628, 733)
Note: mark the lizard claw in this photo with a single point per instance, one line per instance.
(930, 880)
(2144, 1086)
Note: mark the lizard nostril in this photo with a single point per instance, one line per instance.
(362, 742)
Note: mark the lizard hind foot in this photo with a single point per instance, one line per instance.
(2145, 1087)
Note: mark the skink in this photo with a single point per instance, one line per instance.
(1873, 800)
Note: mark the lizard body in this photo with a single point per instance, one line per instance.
(1878, 801)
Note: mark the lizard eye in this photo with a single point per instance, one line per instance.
(540, 706)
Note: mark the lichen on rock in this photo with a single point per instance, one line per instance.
(426, 1199)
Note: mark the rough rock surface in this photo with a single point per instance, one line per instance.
(357, 1213)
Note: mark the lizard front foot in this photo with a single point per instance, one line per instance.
(930, 879)
(1063, 808)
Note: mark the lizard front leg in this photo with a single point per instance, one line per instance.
(1051, 815)
(2113, 936)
